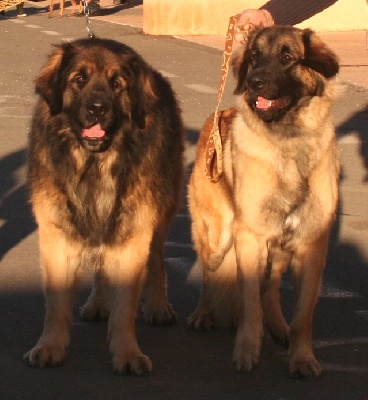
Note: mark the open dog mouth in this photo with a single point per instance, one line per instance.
(94, 133)
(95, 138)
(264, 104)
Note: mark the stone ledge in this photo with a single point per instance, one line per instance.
(210, 17)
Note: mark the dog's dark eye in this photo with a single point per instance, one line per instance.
(254, 55)
(287, 55)
(286, 58)
(115, 84)
(80, 80)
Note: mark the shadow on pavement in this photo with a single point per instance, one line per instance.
(14, 208)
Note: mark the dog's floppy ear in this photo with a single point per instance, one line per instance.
(239, 63)
(141, 95)
(51, 83)
(318, 56)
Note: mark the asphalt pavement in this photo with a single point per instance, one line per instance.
(187, 364)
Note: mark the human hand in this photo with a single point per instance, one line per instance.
(250, 18)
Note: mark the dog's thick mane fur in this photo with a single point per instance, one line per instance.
(96, 183)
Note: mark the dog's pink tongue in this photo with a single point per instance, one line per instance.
(95, 132)
(263, 103)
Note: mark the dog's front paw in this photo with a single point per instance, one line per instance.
(136, 364)
(45, 355)
(162, 316)
(201, 322)
(247, 351)
(305, 368)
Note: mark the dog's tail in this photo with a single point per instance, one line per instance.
(220, 291)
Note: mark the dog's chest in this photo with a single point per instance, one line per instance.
(93, 194)
(283, 203)
(271, 186)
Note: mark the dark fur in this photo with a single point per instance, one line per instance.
(275, 202)
(104, 198)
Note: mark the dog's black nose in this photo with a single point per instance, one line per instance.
(97, 108)
(255, 82)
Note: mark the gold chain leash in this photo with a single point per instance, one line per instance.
(90, 33)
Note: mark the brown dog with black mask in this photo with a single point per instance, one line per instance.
(105, 169)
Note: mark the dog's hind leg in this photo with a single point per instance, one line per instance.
(96, 307)
(156, 308)
(60, 259)
(308, 265)
(274, 318)
(212, 236)
(217, 304)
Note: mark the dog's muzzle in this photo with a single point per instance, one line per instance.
(94, 135)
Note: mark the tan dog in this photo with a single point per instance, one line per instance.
(62, 7)
(105, 169)
(276, 200)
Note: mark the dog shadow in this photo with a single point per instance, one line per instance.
(358, 123)
(116, 7)
(15, 211)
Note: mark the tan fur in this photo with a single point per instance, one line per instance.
(259, 218)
